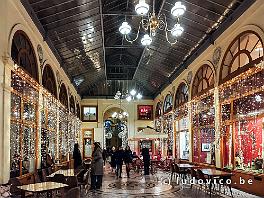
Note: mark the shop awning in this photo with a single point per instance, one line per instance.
(148, 133)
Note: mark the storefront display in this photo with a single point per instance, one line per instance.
(24, 107)
(242, 119)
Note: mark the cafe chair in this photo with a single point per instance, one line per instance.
(224, 179)
(16, 192)
(36, 178)
(181, 173)
(193, 176)
(44, 175)
(82, 178)
(201, 176)
(73, 193)
(59, 178)
(173, 171)
(49, 171)
(72, 182)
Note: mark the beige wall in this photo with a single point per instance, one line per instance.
(129, 107)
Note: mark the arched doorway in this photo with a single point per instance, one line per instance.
(115, 127)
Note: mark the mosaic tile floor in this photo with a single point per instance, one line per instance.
(153, 186)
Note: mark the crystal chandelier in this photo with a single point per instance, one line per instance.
(151, 23)
(133, 94)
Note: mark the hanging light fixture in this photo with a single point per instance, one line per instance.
(146, 40)
(178, 9)
(142, 7)
(125, 28)
(177, 30)
(151, 23)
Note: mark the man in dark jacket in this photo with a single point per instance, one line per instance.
(128, 159)
(119, 157)
(146, 160)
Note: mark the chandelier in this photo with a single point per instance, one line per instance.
(150, 23)
(133, 94)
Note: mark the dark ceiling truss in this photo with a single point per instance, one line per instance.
(108, 55)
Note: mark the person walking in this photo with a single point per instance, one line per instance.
(119, 156)
(128, 159)
(77, 156)
(97, 167)
(146, 160)
(113, 160)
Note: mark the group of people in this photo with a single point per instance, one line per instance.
(97, 164)
(118, 158)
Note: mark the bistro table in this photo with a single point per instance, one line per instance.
(211, 173)
(66, 173)
(42, 187)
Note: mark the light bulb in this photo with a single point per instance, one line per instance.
(258, 98)
(125, 28)
(177, 30)
(146, 40)
(133, 92)
(128, 98)
(142, 7)
(139, 96)
(178, 9)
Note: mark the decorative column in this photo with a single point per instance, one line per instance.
(40, 108)
(189, 106)
(6, 66)
(217, 129)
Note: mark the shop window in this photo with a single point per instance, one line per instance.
(181, 122)
(203, 80)
(242, 104)
(72, 105)
(63, 96)
(203, 116)
(48, 129)
(22, 53)
(48, 80)
(158, 110)
(168, 129)
(245, 51)
(24, 108)
(167, 106)
(181, 95)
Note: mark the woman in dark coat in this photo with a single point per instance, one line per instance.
(128, 159)
(97, 167)
(77, 156)
(146, 160)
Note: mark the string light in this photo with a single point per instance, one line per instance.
(25, 102)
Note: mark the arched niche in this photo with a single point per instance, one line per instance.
(72, 105)
(49, 80)
(168, 103)
(23, 54)
(158, 110)
(63, 96)
(181, 95)
(244, 52)
(203, 80)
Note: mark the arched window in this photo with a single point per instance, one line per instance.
(181, 95)
(48, 80)
(167, 107)
(158, 110)
(245, 51)
(203, 80)
(22, 53)
(78, 110)
(63, 96)
(72, 105)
